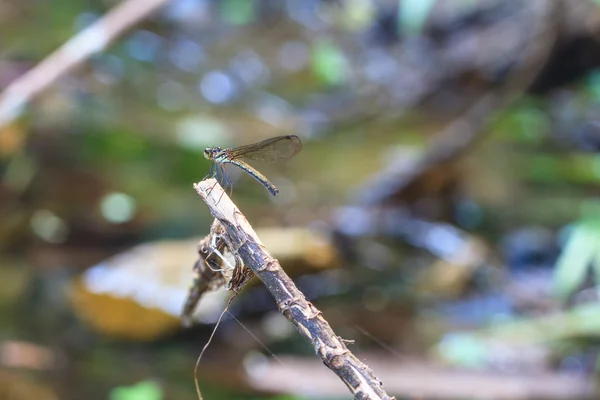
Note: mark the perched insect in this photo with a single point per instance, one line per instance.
(270, 150)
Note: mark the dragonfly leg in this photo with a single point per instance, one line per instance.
(211, 172)
(215, 174)
(227, 183)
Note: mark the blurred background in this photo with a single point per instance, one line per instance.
(444, 212)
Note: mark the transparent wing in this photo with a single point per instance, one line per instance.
(270, 150)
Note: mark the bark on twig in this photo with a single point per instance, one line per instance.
(82, 46)
(216, 267)
(357, 376)
(206, 274)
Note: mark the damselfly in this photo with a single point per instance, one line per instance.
(270, 150)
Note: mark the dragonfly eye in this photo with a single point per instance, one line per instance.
(207, 153)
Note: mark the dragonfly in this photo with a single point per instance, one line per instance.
(271, 150)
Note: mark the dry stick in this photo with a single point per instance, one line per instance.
(357, 376)
(82, 46)
(204, 276)
(211, 271)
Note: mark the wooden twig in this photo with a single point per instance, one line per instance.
(207, 273)
(307, 319)
(216, 267)
(88, 42)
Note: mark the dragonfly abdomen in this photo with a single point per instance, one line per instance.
(256, 175)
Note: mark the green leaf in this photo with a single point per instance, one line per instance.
(463, 349)
(543, 168)
(593, 84)
(527, 123)
(329, 63)
(596, 264)
(147, 390)
(572, 265)
(238, 12)
(590, 212)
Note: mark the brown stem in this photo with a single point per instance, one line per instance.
(79, 48)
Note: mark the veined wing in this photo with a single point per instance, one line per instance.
(270, 150)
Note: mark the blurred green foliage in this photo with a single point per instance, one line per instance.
(579, 258)
(147, 390)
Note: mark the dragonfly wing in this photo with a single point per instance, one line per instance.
(270, 150)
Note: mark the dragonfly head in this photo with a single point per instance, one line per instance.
(211, 152)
